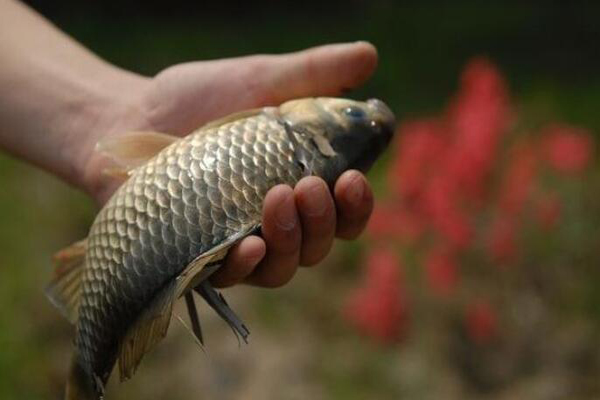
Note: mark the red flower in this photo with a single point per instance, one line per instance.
(519, 178)
(388, 221)
(501, 242)
(441, 202)
(479, 116)
(420, 145)
(378, 309)
(462, 167)
(568, 149)
(481, 322)
(441, 271)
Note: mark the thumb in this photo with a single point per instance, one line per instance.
(186, 95)
(318, 71)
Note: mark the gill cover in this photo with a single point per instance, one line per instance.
(353, 132)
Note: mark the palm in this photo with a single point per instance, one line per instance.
(185, 96)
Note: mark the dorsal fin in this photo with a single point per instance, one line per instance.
(233, 117)
(133, 149)
(64, 290)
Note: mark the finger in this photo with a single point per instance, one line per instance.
(281, 232)
(240, 262)
(182, 97)
(320, 71)
(317, 217)
(354, 200)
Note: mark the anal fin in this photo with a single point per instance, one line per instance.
(64, 290)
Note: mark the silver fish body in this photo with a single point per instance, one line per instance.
(192, 197)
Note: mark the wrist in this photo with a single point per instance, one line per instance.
(58, 98)
(112, 105)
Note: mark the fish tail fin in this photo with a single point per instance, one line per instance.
(81, 385)
(64, 290)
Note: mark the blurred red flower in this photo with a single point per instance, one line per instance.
(378, 309)
(443, 187)
(479, 116)
(442, 205)
(419, 149)
(501, 239)
(394, 222)
(519, 178)
(441, 271)
(567, 149)
(481, 322)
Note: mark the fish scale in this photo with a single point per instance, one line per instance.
(158, 231)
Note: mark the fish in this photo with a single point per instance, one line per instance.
(183, 203)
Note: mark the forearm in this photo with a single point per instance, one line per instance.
(54, 93)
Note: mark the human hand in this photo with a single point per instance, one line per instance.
(298, 224)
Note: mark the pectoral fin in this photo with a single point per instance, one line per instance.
(193, 314)
(217, 302)
(203, 266)
(152, 324)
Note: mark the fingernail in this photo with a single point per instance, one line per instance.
(316, 200)
(356, 190)
(285, 214)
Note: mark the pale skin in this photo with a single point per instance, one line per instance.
(57, 99)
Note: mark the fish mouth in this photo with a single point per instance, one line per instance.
(384, 122)
(382, 109)
(383, 126)
(384, 117)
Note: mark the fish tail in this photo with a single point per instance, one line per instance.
(81, 385)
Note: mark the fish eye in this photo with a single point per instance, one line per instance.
(355, 112)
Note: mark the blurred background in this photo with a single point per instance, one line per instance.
(479, 274)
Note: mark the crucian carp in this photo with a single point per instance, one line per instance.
(184, 203)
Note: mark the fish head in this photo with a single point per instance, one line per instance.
(353, 133)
